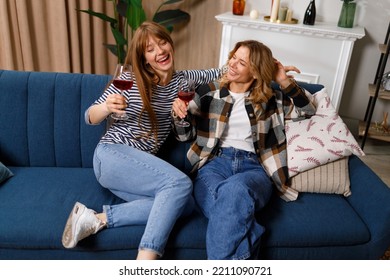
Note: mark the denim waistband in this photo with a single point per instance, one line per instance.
(233, 152)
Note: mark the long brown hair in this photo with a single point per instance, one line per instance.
(145, 75)
(262, 67)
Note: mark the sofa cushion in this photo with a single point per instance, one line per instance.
(37, 200)
(5, 173)
(55, 190)
(314, 220)
(332, 177)
(321, 139)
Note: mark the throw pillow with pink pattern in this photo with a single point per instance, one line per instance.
(319, 140)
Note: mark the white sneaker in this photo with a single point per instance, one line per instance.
(82, 222)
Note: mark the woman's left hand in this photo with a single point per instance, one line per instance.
(281, 76)
(179, 107)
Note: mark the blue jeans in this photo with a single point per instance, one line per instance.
(230, 189)
(155, 192)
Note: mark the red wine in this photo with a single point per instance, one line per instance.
(186, 96)
(122, 84)
(310, 14)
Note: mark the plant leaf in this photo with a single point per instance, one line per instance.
(99, 15)
(171, 17)
(166, 3)
(114, 50)
(135, 14)
(136, 3)
(121, 42)
(171, 2)
(169, 28)
(119, 38)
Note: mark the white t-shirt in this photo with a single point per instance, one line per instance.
(238, 132)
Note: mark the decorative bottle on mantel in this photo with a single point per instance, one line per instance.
(310, 14)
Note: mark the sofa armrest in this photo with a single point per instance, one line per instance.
(371, 200)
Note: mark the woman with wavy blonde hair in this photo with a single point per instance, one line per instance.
(239, 151)
(262, 66)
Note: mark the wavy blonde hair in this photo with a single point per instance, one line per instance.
(145, 75)
(262, 67)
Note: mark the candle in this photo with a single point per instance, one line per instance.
(254, 14)
(275, 10)
(282, 13)
(289, 15)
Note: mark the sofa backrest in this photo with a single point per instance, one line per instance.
(312, 88)
(42, 118)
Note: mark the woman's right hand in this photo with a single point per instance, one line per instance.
(116, 103)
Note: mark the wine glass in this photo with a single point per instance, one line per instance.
(186, 93)
(122, 80)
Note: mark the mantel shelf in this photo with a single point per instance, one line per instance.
(320, 29)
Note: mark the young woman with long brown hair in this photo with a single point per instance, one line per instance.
(125, 161)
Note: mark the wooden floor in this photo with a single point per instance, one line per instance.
(380, 164)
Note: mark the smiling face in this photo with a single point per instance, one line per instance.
(239, 73)
(159, 55)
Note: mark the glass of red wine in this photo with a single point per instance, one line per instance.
(122, 80)
(186, 93)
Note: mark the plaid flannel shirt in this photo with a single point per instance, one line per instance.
(209, 113)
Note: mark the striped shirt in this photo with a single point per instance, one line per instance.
(135, 132)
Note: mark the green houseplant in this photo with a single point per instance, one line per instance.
(128, 15)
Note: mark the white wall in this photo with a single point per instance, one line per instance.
(374, 16)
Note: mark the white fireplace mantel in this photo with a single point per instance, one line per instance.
(322, 51)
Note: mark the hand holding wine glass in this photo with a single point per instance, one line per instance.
(186, 93)
(122, 80)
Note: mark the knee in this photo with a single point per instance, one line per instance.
(234, 190)
(184, 183)
(236, 196)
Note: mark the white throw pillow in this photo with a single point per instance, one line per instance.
(319, 140)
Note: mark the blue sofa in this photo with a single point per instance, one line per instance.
(48, 147)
